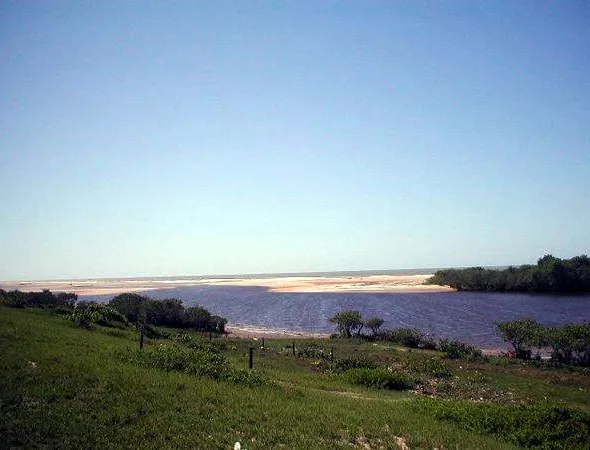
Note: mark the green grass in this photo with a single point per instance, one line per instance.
(62, 386)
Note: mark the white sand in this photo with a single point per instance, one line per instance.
(372, 283)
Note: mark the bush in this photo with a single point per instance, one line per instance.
(459, 350)
(539, 426)
(313, 351)
(342, 365)
(86, 314)
(44, 299)
(432, 367)
(168, 312)
(571, 343)
(410, 337)
(348, 322)
(193, 362)
(379, 378)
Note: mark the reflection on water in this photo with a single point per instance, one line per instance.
(467, 316)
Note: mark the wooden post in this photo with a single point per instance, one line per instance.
(293, 347)
(251, 358)
(141, 336)
(210, 336)
(262, 342)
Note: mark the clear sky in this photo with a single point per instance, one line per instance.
(187, 137)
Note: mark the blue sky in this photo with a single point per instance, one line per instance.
(178, 138)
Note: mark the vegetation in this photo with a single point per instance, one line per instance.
(551, 274)
(348, 322)
(122, 310)
(66, 386)
(568, 344)
(166, 312)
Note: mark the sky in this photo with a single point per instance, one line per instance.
(146, 138)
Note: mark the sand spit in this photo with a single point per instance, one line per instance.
(372, 283)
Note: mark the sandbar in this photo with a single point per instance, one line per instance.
(293, 284)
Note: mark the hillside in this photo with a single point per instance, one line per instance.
(63, 386)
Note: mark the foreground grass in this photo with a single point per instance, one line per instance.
(62, 386)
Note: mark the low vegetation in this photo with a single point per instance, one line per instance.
(567, 344)
(66, 385)
(551, 274)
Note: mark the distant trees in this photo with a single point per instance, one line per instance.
(551, 274)
(43, 299)
(167, 312)
(122, 309)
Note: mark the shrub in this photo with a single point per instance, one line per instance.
(571, 343)
(193, 362)
(459, 350)
(523, 335)
(379, 378)
(313, 351)
(167, 312)
(86, 314)
(432, 367)
(539, 426)
(410, 337)
(44, 299)
(348, 322)
(342, 365)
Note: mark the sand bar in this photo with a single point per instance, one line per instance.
(371, 283)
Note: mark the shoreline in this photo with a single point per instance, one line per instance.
(254, 332)
(288, 284)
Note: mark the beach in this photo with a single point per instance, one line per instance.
(294, 284)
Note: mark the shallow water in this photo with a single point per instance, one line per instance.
(467, 316)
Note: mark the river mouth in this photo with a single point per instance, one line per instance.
(470, 317)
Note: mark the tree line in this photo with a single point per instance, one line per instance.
(550, 274)
(567, 344)
(121, 310)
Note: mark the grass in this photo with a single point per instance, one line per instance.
(62, 386)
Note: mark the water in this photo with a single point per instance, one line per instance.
(467, 316)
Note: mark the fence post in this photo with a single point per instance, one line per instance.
(262, 342)
(141, 336)
(251, 358)
(293, 347)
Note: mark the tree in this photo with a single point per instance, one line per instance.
(348, 322)
(374, 324)
(131, 305)
(522, 335)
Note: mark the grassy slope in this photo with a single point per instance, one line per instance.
(64, 386)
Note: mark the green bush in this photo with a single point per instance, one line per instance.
(459, 350)
(44, 299)
(379, 378)
(193, 362)
(86, 314)
(410, 337)
(342, 365)
(536, 426)
(432, 367)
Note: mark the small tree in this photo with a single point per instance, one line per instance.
(522, 335)
(374, 324)
(348, 322)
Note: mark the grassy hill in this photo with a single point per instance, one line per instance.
(63, 386)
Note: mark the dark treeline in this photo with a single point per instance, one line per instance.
(132, 308)
(168, 312)
(44, 299)
(551, 274)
